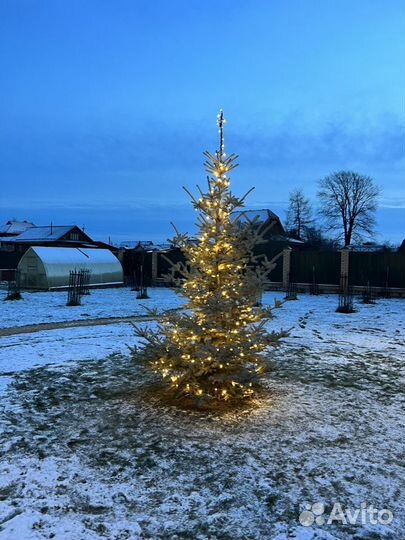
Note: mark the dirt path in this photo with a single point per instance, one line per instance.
(31, 328)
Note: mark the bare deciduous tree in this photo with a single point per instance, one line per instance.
(299, 214)
(348, 202)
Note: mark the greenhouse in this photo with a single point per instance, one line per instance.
(46, 268)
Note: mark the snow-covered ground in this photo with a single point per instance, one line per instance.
(45, 307)
(85, 455)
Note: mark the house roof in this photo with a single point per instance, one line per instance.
(162, 247)
(48, 232)
(15, 227)
(131, 244)
(261, 215)
(367, 247)
(43, 234)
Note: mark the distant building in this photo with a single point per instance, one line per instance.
(137, 244)
(14, 244)
(50, 234)
(14, 228)
(139, 258)
(368, 247)
(152, 260)
(48, 268)
(261, 217)
(269, 222)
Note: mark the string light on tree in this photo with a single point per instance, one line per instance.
(218, 346)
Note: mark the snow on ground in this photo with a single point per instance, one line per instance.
(23, 351)
(45, 307)
(84, 454)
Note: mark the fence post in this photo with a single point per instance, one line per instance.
(286, 266)
(154, 265)
(344, 267)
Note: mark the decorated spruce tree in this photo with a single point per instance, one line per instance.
(217, 347)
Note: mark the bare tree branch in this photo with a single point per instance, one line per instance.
(348, 204)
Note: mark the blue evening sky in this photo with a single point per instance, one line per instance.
(107, 106)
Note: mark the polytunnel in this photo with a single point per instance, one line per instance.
(45, 268)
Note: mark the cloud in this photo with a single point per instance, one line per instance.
(95, 170)
(331, 142)
(121, 150)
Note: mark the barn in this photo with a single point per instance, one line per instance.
(46, 268)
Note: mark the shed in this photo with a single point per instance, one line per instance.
(45, 268)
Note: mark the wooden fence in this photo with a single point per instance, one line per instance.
(381, 270)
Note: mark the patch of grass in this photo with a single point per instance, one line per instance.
(8, 491)
(159, 392)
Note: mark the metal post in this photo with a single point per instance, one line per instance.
(154, 266)
(286, 266)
